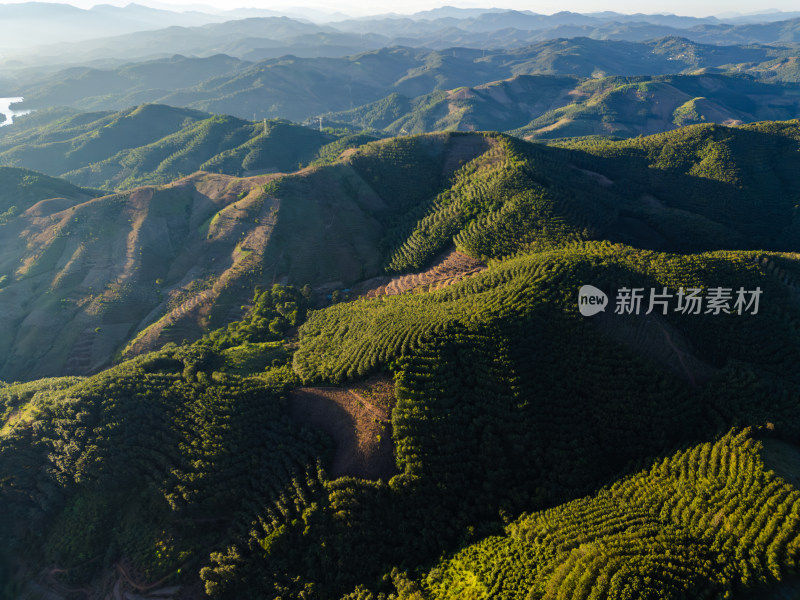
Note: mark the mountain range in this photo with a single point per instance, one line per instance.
(215, 224)
(36, 23)
(301, 88)
(148, 33)
(544, 107)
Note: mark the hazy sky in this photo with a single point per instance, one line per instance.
(680, 7)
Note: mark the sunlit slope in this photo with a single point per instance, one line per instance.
(698, 188)
(500, 105)
(626, 107)
(705, 522)
(176, 258)
(81, 278)
(382, 331)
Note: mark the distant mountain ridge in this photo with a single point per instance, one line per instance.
(155, 144)
(267, 34)
(36, 23)
(29, 23)
(551, 106)
(298, 88)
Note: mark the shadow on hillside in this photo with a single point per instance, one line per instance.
(706, 187)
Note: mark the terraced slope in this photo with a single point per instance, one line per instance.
(449, 268)
(485, 423)
(510, 401)
(701, 523)
(386, 329)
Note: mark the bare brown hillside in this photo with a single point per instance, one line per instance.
(85, 281)
(87, 276)
(450, 267)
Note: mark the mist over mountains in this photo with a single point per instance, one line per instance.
(418, 90)
(40, 33)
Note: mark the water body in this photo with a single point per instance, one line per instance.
(5, 109)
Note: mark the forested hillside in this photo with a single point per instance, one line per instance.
(684, 527)
(462, 304)
(485, 426)
(155, 144)
(241, 402)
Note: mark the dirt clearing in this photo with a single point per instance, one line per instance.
(358, 419)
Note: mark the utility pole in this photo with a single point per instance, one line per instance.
(265, 126)
(320, 124)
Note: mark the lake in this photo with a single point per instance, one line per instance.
(5, 109)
